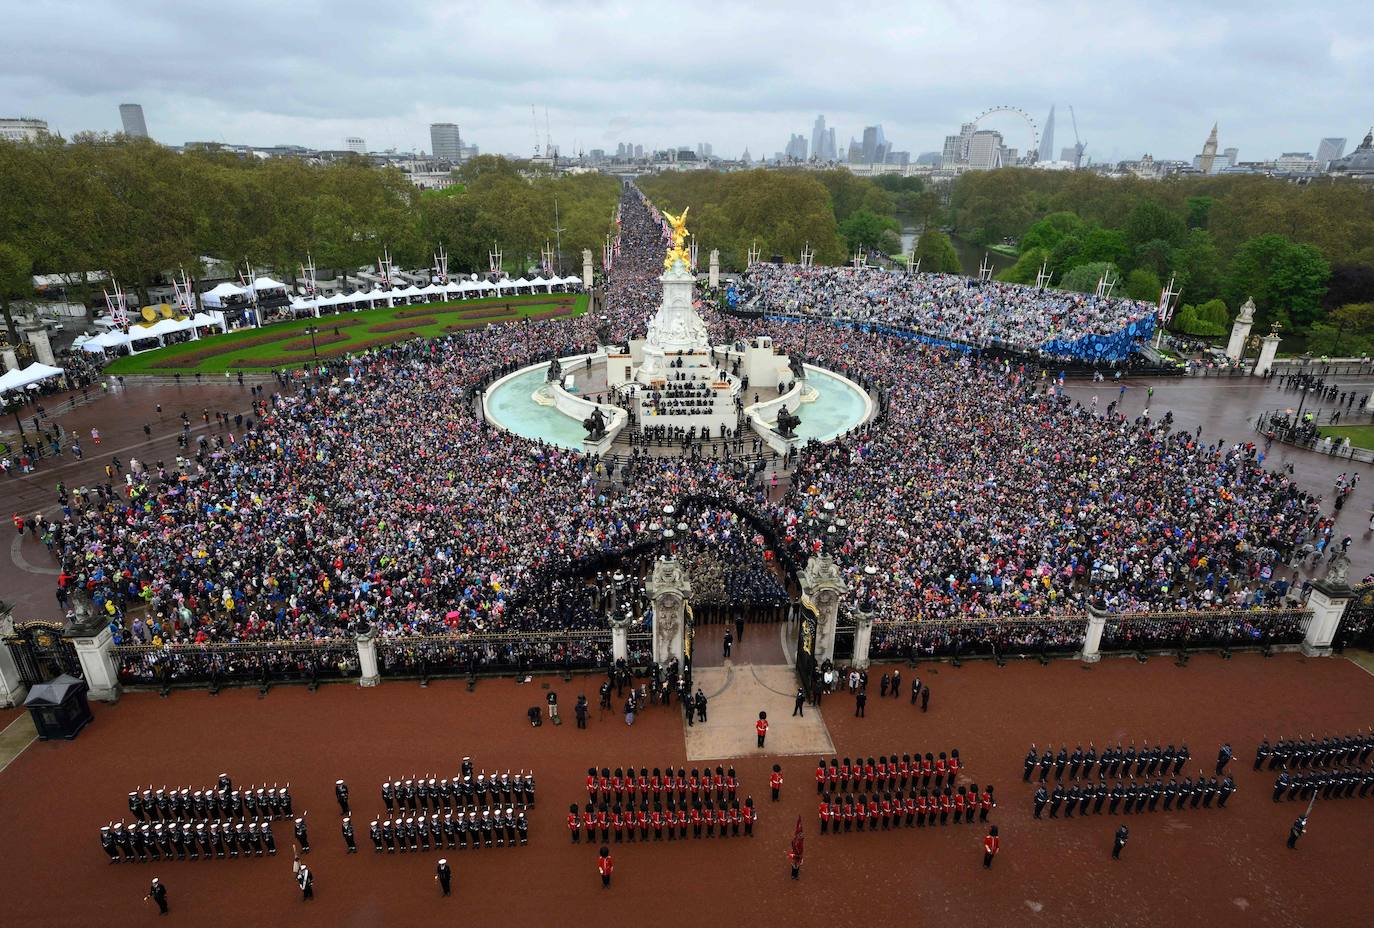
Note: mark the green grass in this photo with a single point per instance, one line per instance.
(356, 332)
(1361, 436)
(1008, 250)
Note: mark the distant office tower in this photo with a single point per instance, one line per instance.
(1229, 157)
(1209, 152)
(356, 145)
(796, 148)
(639, 152)
(446, 141)
(1069, 154)
(956, 146)
(985, 150)
(875, 146)
(1328, 151)
(818, 139)
(131, 115)
(832, 153)
(1046, 152)
(703, 151)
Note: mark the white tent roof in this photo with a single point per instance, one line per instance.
(17, 380)
(485, 285)
(364, 295)
(304, 304)
(334, 299)
(505, 282)
(226, 289)
(410, 291)
(267, 283)
(572, 280)
(433, 288)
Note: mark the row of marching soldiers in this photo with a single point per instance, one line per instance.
(887, 773)
(887, 810)
(465, 792)
(624, 786)
(492, 828)
(222, 801)
(186, 840)
(731, 817)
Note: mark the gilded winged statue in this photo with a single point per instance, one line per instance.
(679, 248)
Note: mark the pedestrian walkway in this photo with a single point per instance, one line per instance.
(17, 736)
(736, 693)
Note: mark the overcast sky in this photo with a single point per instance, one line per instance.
(1142, 77)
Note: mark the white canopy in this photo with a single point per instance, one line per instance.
(363, 296)
(17, 380)
(226, 289)
(408, 292)
(572, 280)
(267, 283)
(433, 288)
(334, 300)
(304, 304)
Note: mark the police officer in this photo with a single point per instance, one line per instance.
(444, 874)
(341, 794)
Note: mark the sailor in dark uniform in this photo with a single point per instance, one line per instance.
(341, 794)
(347, 829)
(107, 844)
(302, 838)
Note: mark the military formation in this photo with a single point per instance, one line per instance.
(665, 803)
(185, 824)
(1306, 753)
(471, 810)
(914, 790)
(1140, 785)
(1112, 763)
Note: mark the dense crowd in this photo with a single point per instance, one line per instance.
(942, 306)
(370, 494)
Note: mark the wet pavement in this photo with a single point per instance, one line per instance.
(28, 573)
(1228, 408)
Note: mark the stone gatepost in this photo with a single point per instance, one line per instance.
(12, 688)
(822, 589)
(714, 279)
(669, 588)
(1269, 346)
(1240, 331)
(1092, 636)
(367, 659)
(42, 347)
(93, 646)
(11, 360)
(620, 639)
(863, 638)
(1328, 600)
(587, 277)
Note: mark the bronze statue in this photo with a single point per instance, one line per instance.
(554, 373)
(787, 423)
(595, 424)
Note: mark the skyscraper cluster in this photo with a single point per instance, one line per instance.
(626, 151)
(796, 148)
(823, 142)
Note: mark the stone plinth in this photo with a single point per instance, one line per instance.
(1092, 636)
(97, 664)
(367, 660)
(822, 588)
(42, 347)
(1269, 346)
(714, 277)
(587, 268)
(11, 359)
(1327, 602)
(669, 589)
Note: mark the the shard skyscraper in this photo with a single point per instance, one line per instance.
(1047, 139)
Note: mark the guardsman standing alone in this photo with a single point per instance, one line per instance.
(774, 779)
(605, 866)
(761, 727)
(991, 845)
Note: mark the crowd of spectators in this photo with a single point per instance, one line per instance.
(943, 306)
(370, 494)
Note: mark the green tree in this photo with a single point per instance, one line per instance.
(1281, 275)
(1143, 285)
(1198, 210)
(1188, 321)
(1027, 267)
(1150, 220)
(936, 253)
(1215, 312)
(1084, 277)
(16, 282)
(868, 230)
(1050, 231)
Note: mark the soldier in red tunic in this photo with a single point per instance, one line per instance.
(775, 781)
(605, 866)
(573, 823)
(761, 727)
(991, 845)
(824, 812)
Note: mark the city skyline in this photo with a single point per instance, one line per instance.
(1134, 93)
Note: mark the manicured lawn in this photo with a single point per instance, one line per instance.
(1361, 436)
(285, 344)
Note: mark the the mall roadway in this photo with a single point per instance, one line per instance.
(1225, 408)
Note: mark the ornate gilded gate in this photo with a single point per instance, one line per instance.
(41, 652)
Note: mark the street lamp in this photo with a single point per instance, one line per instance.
(312, 329)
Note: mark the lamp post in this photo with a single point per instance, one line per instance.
(312, 329)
